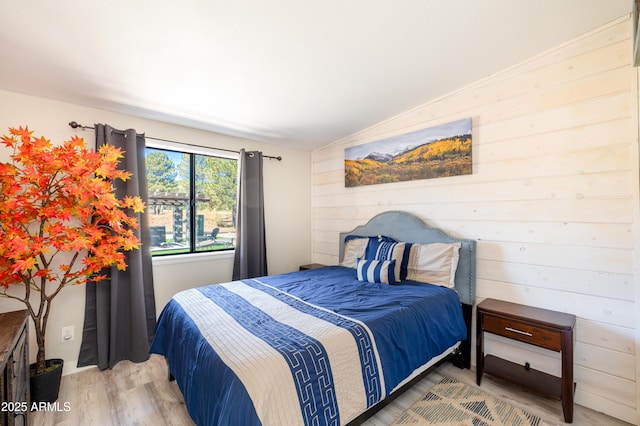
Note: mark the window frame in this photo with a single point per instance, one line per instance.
(169, 258)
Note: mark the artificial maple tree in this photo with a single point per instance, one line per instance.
(60, 221)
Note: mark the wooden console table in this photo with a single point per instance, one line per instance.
(14, 368)
(540, 327)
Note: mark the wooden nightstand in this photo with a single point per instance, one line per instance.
(540, 327)
(311, 266)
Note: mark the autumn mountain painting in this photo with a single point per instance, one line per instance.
(444, 150)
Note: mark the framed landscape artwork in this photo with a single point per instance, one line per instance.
(443, 150)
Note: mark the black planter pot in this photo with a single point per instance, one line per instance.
(45, 386)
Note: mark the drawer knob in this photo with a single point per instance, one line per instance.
(526, 333)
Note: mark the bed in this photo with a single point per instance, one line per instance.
(327, 346)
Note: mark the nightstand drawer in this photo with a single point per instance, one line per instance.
(523, 331)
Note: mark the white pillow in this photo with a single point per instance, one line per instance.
(434, 263)
(353, 250)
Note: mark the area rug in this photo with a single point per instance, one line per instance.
(453, 403)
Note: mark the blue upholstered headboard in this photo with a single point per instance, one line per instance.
(403, 226)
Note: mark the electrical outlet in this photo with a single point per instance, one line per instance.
(67, 333)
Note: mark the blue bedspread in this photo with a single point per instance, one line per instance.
(308, 347)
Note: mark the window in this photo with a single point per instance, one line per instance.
(192, 201)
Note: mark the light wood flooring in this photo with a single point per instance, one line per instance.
(140, 394)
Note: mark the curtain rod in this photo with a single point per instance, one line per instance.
(75, 125)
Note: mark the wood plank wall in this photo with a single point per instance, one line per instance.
(551, 200)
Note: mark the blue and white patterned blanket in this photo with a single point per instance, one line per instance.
(306, 348)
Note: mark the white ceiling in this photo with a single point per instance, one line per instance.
(302, 73)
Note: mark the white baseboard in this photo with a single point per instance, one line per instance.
(70, 367)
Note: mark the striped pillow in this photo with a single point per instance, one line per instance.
(377, 271)
(357, 246)
(385, 250)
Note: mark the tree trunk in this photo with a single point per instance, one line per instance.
(40, 357)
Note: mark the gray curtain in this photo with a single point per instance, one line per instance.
(251, 248)
(120, 312)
